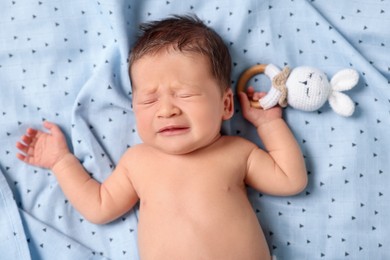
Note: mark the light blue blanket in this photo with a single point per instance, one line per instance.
(66, 61)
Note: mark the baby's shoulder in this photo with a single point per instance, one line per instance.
(237, 142)
(235, 150)
(135, 153)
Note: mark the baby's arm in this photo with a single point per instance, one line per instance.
(99, 203)
(282, 170)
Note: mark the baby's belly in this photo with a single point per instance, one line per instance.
(222, 226)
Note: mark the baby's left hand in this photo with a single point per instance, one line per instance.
(257, 116)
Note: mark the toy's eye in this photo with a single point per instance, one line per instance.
(307, 92)
(310, 75)
(304, 82)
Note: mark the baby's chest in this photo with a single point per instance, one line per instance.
(193, 196)
(190, 178)
(192, 189)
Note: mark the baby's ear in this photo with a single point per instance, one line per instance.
(344, 80)
(228, 104)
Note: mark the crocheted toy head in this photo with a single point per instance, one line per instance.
(304, 88)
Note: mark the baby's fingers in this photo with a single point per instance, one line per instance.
(244, 101)
(22, 147)
(258, 95)
(21, 157)
(27, 139)
(250, 91)
(31, 132)
(53, 128)
(23, 151)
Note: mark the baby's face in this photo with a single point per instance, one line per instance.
(177, 102)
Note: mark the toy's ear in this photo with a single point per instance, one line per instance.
(344, 80)
(341, 104)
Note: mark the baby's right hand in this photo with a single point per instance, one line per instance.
(42, 149)
(257, 116)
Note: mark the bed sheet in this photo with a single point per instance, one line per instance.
(66, 61)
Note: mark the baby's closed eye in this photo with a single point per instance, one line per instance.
(186, 95)
(146, 100)
(149, 101)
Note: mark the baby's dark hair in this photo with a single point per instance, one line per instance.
(185, 34)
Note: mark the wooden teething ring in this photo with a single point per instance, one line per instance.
(246, 76)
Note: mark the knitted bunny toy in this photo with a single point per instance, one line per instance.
(304, 88)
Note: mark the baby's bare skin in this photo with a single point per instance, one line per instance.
(195, 206)
(189, 179)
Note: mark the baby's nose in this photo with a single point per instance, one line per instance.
(168, 108)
